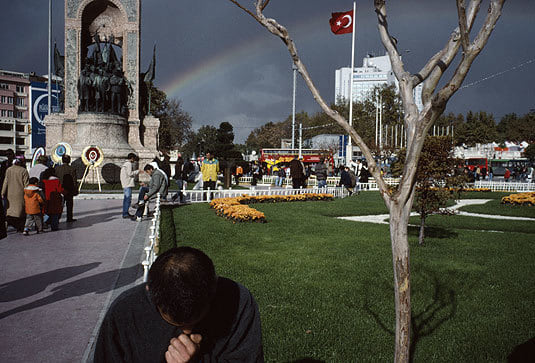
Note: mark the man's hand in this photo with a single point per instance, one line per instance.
(145, 197)
(183, 348)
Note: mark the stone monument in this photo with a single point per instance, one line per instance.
(102, 84)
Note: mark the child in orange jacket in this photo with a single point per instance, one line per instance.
(33, 204)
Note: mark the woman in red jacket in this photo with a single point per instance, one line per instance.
(54, 200)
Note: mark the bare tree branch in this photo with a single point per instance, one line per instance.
(432, 73)
(266, 2)
(461, 14)
(493, 14)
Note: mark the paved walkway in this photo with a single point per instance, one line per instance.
(383, 218)
(56, 286)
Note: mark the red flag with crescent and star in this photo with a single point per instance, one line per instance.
(342, 23)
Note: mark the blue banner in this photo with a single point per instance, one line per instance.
(39, 109)
(342, 145)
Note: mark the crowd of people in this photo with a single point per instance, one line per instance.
(33, 201)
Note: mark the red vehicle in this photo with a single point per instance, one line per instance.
(474, 163)
(275, 156)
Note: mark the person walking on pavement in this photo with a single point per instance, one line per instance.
(128, 176)
(15, 181)
(66, 174)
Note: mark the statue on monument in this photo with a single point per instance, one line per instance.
(102, 86)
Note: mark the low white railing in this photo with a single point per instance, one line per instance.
(502, 186)
(204, 196)
(154, 239)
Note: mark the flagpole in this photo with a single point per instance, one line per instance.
(49, 86)
(349, 151)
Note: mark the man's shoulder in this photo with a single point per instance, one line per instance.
(131, 300)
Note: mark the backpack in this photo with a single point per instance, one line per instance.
(353, 178)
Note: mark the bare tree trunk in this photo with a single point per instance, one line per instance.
(421, 235)
(399, 218)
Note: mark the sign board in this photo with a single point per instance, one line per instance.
(39, 109)
(342, 145)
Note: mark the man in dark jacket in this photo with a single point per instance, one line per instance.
(158, 184)
(68, 180)
(297, 173)
(345, 179)
(185, 313)
(321, 173)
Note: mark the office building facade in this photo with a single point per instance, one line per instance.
(375, 72)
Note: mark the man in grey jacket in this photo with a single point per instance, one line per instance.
(128, 175)
(158, 184)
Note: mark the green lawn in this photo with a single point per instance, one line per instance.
(324, 285)
(495, 207)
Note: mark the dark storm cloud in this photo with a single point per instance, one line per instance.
(224, 67)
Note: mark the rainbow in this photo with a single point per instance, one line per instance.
(201, 73)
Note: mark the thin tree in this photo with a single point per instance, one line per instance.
(417, 124)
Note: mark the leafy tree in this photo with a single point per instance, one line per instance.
(435, 178)
(517, 129)
(175, 123)
(205, 139)
(529, 153)
(435, 98)
(479, 127)
(225, 148)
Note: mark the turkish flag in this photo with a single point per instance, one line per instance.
(342, 23)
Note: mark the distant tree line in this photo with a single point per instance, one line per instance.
(469, 129)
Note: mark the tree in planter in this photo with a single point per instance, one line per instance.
(417, 124)
(436, 178)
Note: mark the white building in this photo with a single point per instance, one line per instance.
(375, 72)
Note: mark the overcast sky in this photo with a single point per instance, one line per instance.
(223, 66)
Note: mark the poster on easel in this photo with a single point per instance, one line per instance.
(92, 157)
(61, 148)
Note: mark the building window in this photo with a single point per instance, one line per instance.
(10, 100)
(20, 101)
(19, 114)
(6, 140)
(5, 127)
(4, 113)
(4, 86)
(21, 128)
(9, 113)
(20, 141)
(20, 89)
(4, 99)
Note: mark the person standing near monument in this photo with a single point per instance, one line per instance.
(209, 170)
(15, 181)
(128, 176)
(158, 184)
(185, 313)
(68, 179)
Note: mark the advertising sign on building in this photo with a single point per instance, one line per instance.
(342, 145)
(39, 109)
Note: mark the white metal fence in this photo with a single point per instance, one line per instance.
(154, 239)
(501, 186)
(203, 196)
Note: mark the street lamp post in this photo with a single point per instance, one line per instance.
(294, 68)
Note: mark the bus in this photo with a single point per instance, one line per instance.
(474, 163)
(499, 165)
(276, 156)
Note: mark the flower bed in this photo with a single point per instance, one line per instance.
(520, 199)
(237, 209)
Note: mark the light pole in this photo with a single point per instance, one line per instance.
(294, 68)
